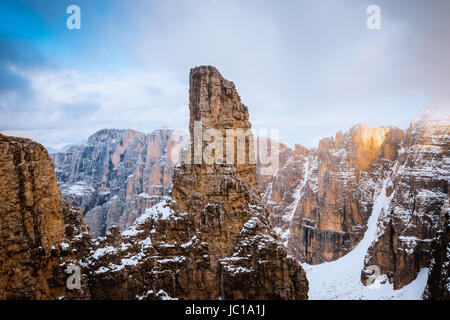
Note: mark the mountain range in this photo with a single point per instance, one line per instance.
(320, 199)
(365, 215)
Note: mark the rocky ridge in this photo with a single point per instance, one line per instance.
(210, 239)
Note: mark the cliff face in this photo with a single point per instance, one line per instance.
(116, 175)
(417, 192)
(320, 199)
(438, 285)
(40, 235)
(211, 239)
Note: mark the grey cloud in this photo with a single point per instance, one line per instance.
(310, 68)
(305, 57)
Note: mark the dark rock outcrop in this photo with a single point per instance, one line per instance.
(438, 285)
(41, 236)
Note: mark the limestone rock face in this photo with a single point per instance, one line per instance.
(417, 192)
(211, 239)
(320, 199)
(40, 235)
(438, 285)
(116, 175)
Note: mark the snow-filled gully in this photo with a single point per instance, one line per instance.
(341, 279)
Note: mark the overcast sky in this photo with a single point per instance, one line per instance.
(307, 68)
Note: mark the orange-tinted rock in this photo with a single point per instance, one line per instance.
(409, 226)
(40, 236)
(320, 199)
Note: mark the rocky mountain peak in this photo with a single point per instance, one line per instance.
(215, 101)
(409, 224)
(366, 143)
(105, 135)
(215, 108)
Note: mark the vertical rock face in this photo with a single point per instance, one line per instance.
(438, 286)
(116, 175)
(40, 236)
(417, 191)
(320, 199)
(215, 102)
(212, 238)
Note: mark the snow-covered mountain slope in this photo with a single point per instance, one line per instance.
(341, 279)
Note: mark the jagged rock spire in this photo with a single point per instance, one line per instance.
(212, 238)
(215, 105)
